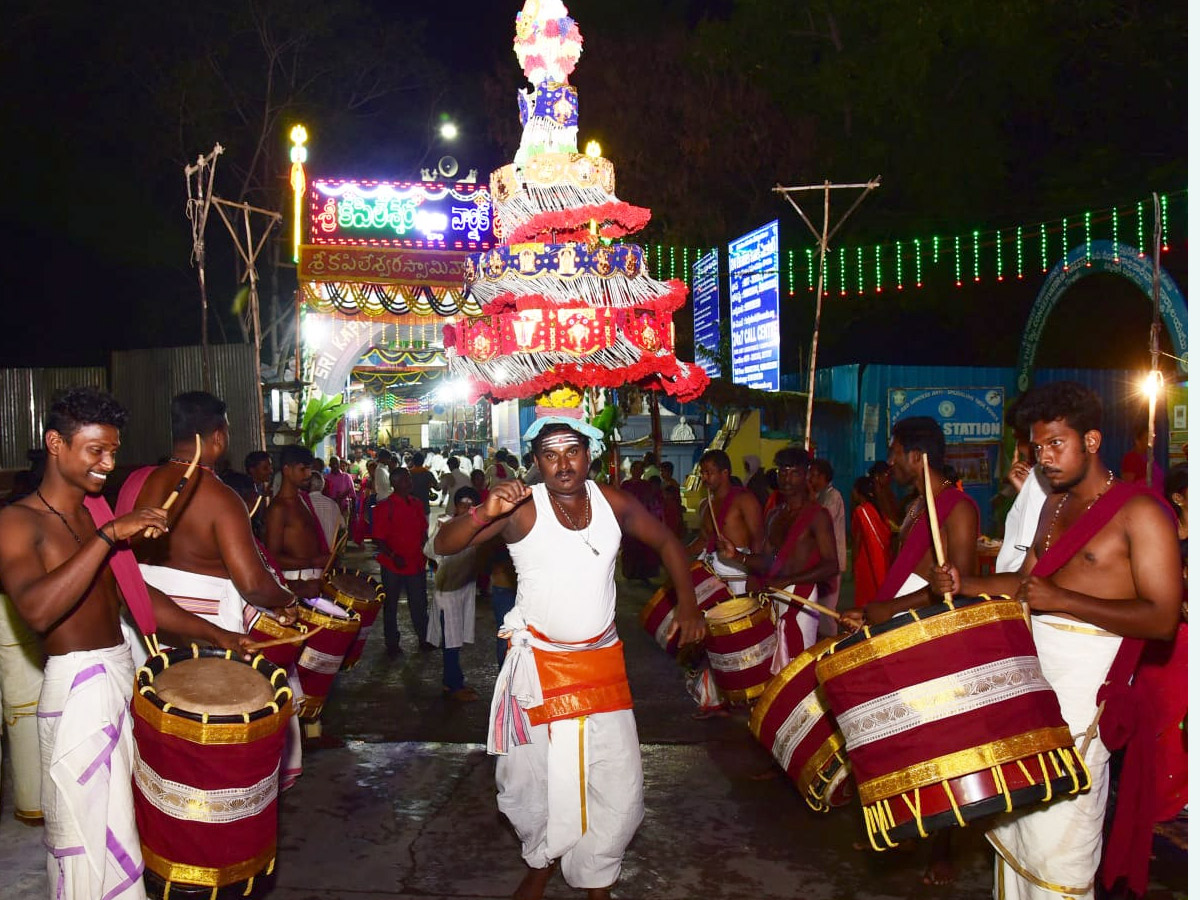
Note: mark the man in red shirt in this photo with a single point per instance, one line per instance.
(399, 529)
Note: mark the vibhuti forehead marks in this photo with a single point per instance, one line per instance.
(561, 440)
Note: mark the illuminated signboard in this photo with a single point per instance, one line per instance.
(754, 307)
(706, 311)
(414, 215)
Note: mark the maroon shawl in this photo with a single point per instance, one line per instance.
(917, 544)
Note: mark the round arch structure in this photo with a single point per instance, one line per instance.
(1084, 260)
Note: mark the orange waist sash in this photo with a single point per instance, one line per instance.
(580, 683)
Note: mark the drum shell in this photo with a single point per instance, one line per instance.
(659, 612)
(322, 656)
(940, 706)
(368, 611)
(264, 627)
(792, 720)
(209, 839)
(740, 651)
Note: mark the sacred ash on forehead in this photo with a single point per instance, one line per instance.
(561, 440)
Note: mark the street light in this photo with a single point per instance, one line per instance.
(448, 131)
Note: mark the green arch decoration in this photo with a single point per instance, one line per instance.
(1084, 260)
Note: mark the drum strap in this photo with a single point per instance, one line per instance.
(125, 569)
(308, 504)
(726, 505)
(917, 544)
(799, 525)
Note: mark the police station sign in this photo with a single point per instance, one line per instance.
(967, 415)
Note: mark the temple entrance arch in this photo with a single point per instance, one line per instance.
(1084, 260)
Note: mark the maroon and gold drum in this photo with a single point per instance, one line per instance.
(209, 729)
(793, 721)
(265, 627)
(364, 595)
(740, 644)
(947, 717)
(323, 652)
(659, 612)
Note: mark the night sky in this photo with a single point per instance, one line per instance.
(702, 106)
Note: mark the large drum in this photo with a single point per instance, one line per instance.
(265, 627)
(209, 730)
(947, 717)
(740, 644)
(323, 652)
(793, 721)
(364, 595)
(659, 612)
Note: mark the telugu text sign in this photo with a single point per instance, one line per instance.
(706, 311)
(754, 307)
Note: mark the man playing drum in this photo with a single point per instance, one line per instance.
(1104, 565)
(53, 565)
(294, 536)
(738, 514)
(562, 695)
(209, 563)
(799, 555)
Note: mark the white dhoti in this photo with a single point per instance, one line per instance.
(207, 596)
(731, 573)
(456, 609)
(613, 798)
(87, 752)
(20, 685)
(1053, 850)
(795, 629)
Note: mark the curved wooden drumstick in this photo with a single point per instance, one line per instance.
(338, 543)
(712, 512)
(257, 504)
(939, 554)
(279, 642)
(170, 501)
(804, 601)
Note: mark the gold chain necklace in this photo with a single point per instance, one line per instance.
(587, 517)
(1063, 501)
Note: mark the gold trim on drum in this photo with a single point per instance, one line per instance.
(169, 871)
(964, 762)
(814, 770)
(776, 685)
(163, 722)
(917, 632)
(726, 626)
(273, 628)
(331, 623)
(744, 696)
(192, 804)
(354, 603)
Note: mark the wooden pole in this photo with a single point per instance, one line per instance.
(939, 554)
(655, 427)
(1155, 379)
(812, 355)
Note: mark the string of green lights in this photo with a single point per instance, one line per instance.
(860, 269)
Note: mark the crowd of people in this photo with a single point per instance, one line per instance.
(448, 528)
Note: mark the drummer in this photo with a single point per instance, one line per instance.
(799, 554)
(1104, 563)
(53, 565)
(294, 535)
(738, 515)
(209, 562)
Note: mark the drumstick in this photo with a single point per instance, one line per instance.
(1092, 731)
(712, 512)
(935, 529)
(338, 542)
(279, 642)
(804, 601)
(170, 501)
(257, 504)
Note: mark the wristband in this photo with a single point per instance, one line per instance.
(104, 537)
(475, 518)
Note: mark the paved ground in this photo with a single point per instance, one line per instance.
(407, 808)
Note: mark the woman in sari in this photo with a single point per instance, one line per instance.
(871, 540)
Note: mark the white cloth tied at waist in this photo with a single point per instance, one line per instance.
(518, 686)
(301, 574)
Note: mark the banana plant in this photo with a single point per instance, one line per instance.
(321, 416)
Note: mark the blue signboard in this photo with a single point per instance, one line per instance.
(967, 415)
(754, 307)
(706, 311)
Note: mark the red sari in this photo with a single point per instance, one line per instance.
(872, 555)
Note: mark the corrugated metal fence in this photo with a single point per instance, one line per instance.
(144, 381)
(25, 396)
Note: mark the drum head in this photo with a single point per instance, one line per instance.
(214, 685)
(732, 610)
(357, 586)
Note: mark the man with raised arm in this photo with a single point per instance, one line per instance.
(905, 587)
(209, 563)
(54, 566)
(562, 697)
(739, 519)
(1104, 565)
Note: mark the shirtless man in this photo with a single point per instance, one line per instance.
(294, 536)
(53, 565)
(1104, 563)
(799, 554)
(737, 512)
(209, 562)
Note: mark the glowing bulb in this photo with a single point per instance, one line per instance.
(448, 131)
(1153, 382)
(316, 330)
(592, 149)
(365, 407)
(299, 134)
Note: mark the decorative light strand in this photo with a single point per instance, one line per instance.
(1066, 247)
(917, 257)
(1141, 229)
(937, 248)
(791, 263)
(812, 284)
(1045, 257)
(957, 261)
(1116, 249)
(672, 260)
(879, 268)
(1163, 203)
(861, 277)
(975, 253)
(1020, 254)
(1087, 238)
(999, 258)
(899, 272)
(842, 271)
